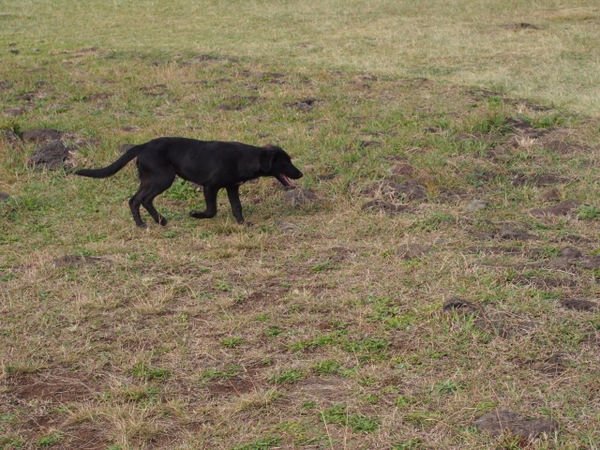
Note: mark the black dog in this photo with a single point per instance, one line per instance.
(213, 165)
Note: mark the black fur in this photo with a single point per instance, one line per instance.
(213, 165)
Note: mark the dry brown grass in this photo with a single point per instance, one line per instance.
(324, 325)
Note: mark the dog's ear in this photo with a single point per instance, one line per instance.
(267, 156)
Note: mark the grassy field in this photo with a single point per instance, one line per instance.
(439, 261)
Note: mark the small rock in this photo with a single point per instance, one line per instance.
(499, 421)
(4, 197)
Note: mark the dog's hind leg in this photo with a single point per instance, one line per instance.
(233, 192)
(210, 196)
(158, 186)
(134, 205)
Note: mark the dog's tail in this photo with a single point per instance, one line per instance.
(107, 171)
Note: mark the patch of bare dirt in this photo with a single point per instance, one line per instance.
(504, 233)
(500, 421)
(544, 282)
(538, 180)
(300, 197)
(555, 364)
(521, 26)
(402, 170)
(15, 112)
(266, 297)
(496, 323)
(412, 251)
(232, 386)
(461, 306)
(384, 206)
(98, 97)
(322, 389)
(84, 435)
(495, 249)
(50, 156)
(155, 90)
(76, 260)
(42, 135)
(306, 104)
(579, 305)
(58, 386)
(238, 102)
(396, 191)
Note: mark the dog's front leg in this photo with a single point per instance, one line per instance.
(233, 192)
(210, 197)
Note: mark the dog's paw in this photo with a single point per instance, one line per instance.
(201, 214)
(143, 225)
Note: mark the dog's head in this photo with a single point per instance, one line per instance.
(274, 161)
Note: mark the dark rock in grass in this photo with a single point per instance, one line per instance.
(42, 135)
(565, 208)
(499, 421)
(300, 197)
(4, 197)
(579, 305)
(51, 156)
